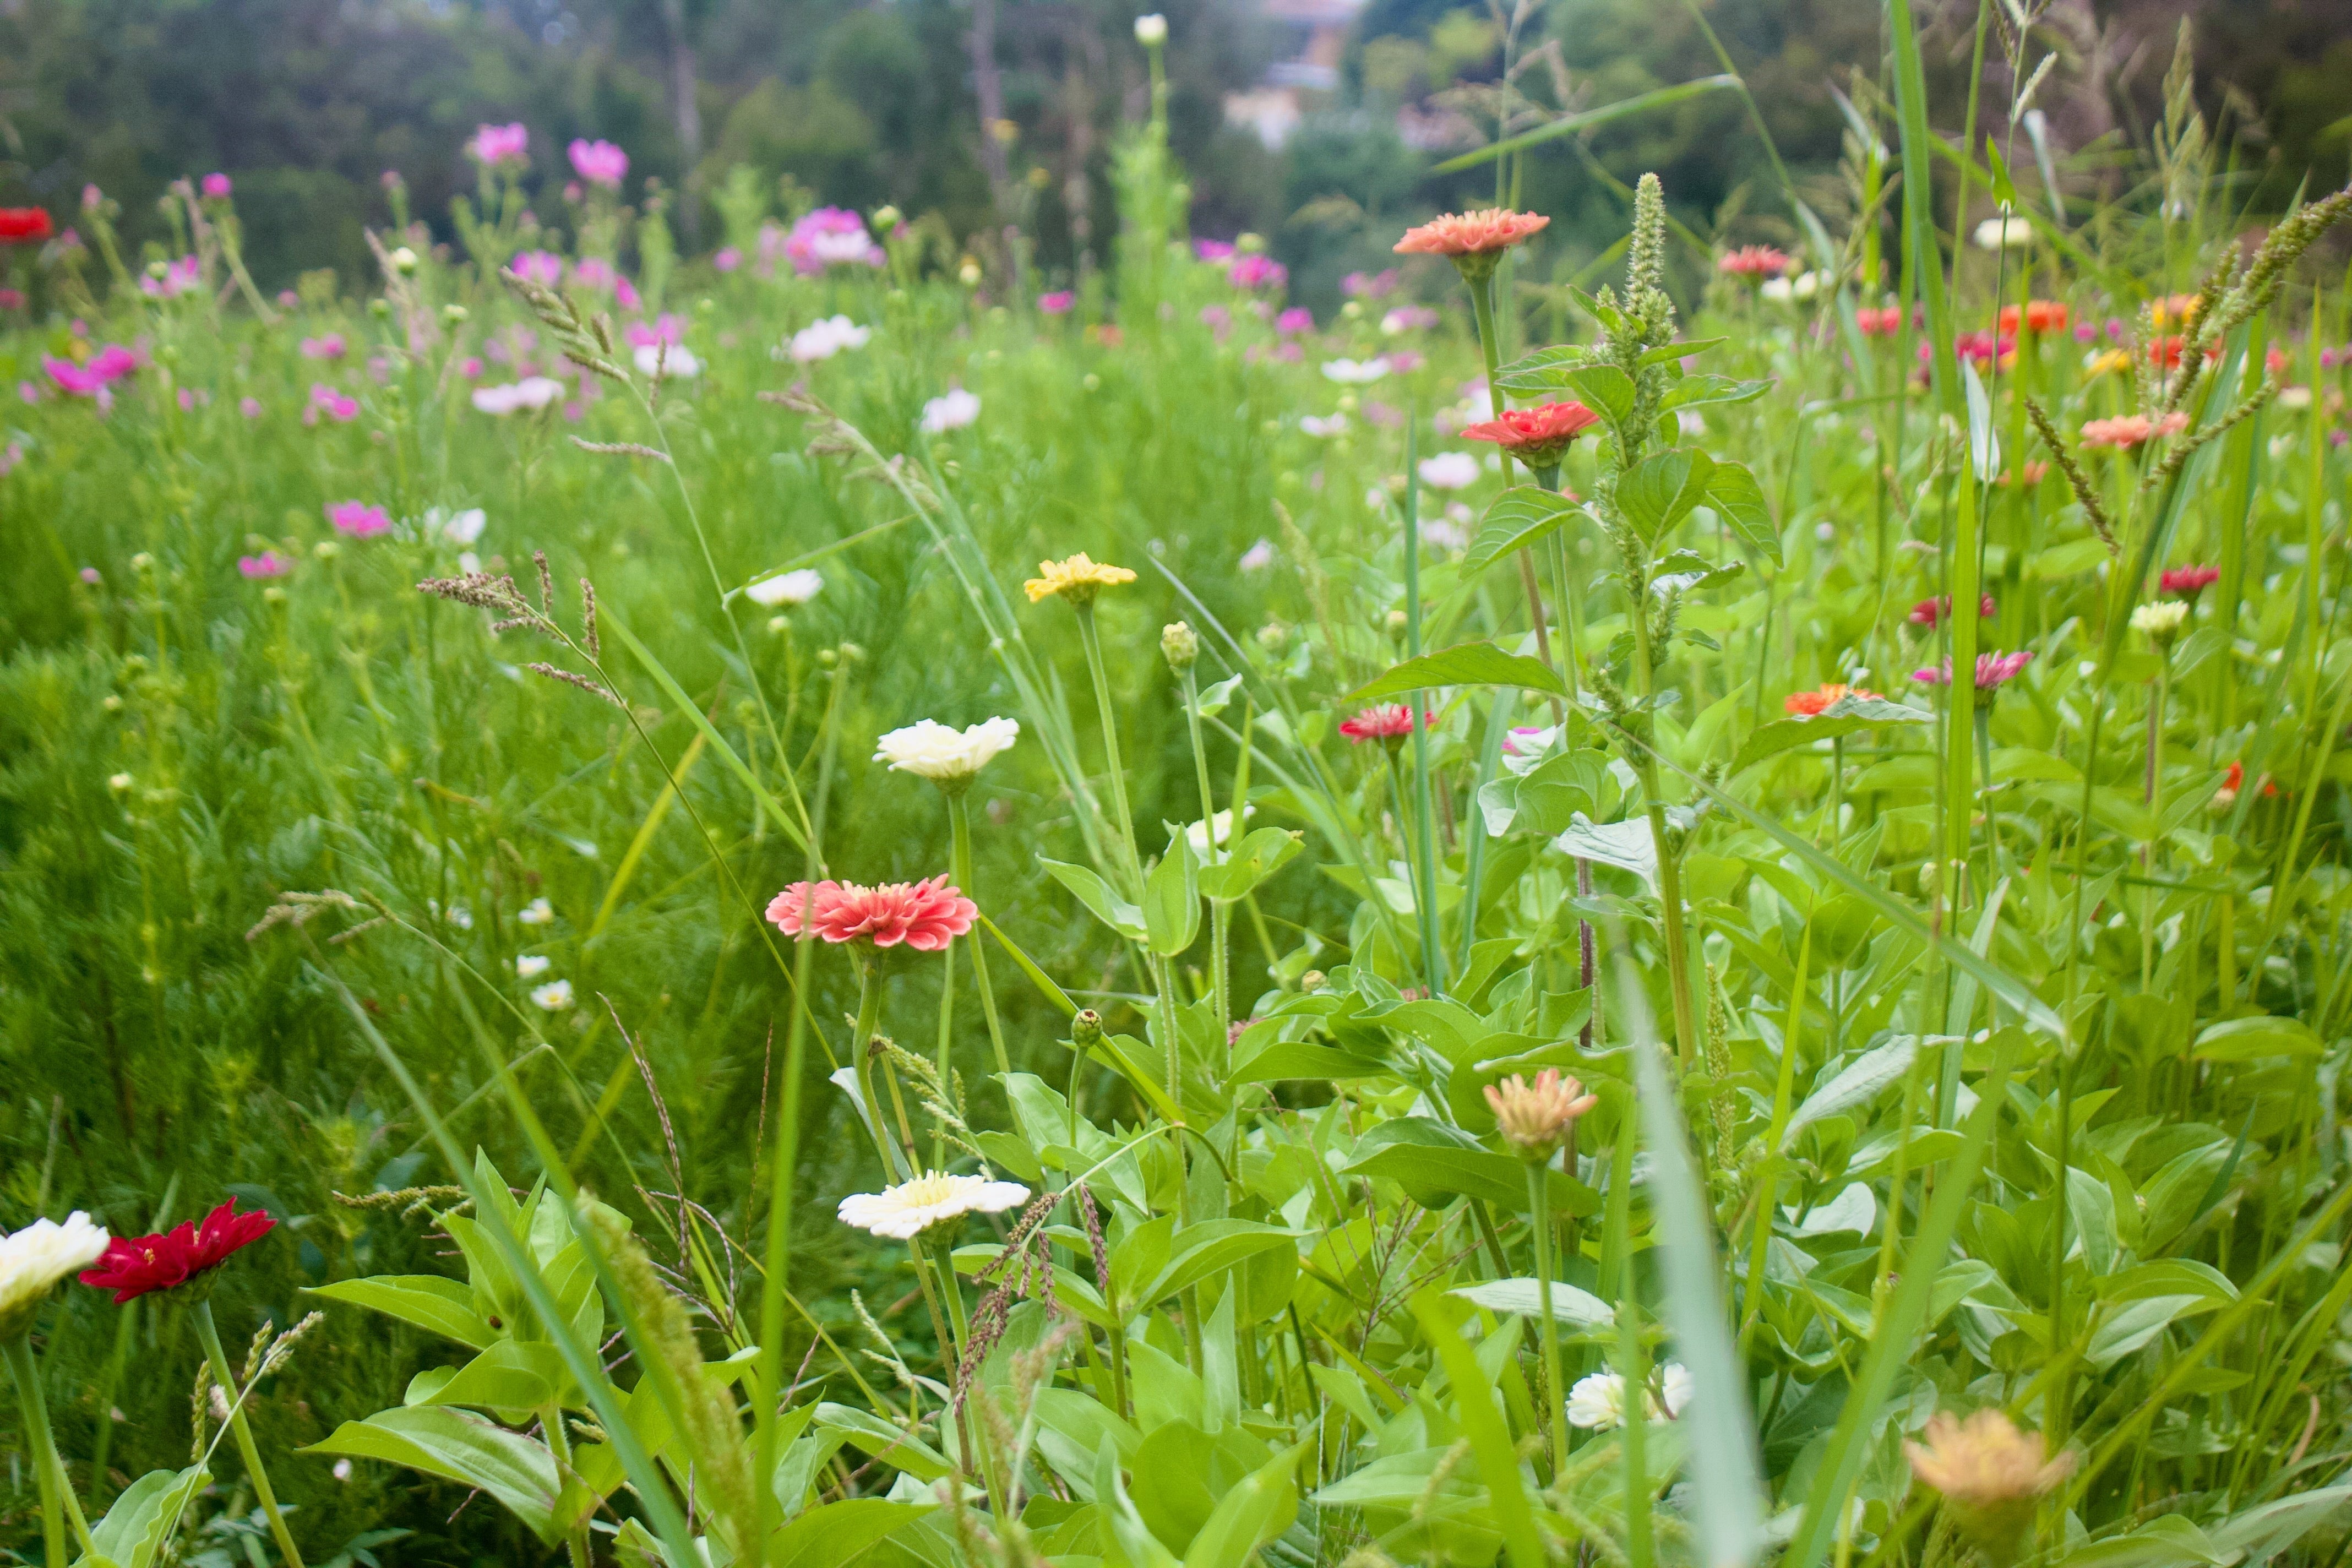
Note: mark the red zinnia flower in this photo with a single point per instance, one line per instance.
(132, 1266)
(25, 226)
(1484, 232)
(1809, 704)
(1753, 261)
(2038, 316)
(1881, 323)
(926, 916)
(1536, 436)
(1930, 613)
(2188, 581)
(1390, 721)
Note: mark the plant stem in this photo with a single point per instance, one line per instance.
(550, 1421)
(1093, 644)
(1482, 309)
(1554, 1396)
(1433, 945)
(959, 827)
(1220, 909)
(869, 1012)
(58, 1502)
(209, 1337)
(1670, 879)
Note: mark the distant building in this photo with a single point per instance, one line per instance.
(1315, 35)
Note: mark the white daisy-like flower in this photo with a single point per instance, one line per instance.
(1257, 557)
(2294, 397)
(36, 1258)
(538, 912)
(2002, 232)
(2161, 618)
(675, 362)
(1152, 31)
(1355, 373)
(1675, 1382)
(786, 588)
(1449, 471)
(943, 753)
(1598, 1402)
(531, 965)
(952, 411)
(553, 997)
(1323, 426)
(531, 392)
(822, 339)
(934, 1198)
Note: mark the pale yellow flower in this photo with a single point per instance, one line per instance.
(1078, 579)
(1534, 1117)
(1991, 1476)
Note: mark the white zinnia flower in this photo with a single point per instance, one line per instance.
(1778, 290)
(1353, 373)
(36, 1258)
(943, 754)
(934, 1198)
(1597, 1403)
(538, 912)
(2294, 397)
(531, 965)
(2002, 232)
(675, 361)
(2161, 618)
(1152, 31)
(554, 997)
(953, 411)
(825, 338)
(786, 588)
(1449, 471)
(1676, 1380)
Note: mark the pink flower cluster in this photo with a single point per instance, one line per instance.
(598, 162)
(925, 916)
(666, 327)
(1370, 285)
(1992, 671)
(831, 237)
(1255, 271)
(1060, 302)
(359, 520)
(494, 145)
(216, 186)
(268, 563)
(336, 405)
(1297, 319)
(107, 366)
(181, 277)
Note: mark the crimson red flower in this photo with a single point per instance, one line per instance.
(1536, 436)
(925, 916)
(25, 226)
(133, 1267)
(1930, 613)
(1389, 721)
(2037, 316)
(1753, 261)
(2189, 581)
(1485, 231)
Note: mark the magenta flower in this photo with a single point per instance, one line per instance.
(471, 368)
(543, 267)
(668, 327)
(727, 259)
(1058, 303)
(1992, 671)
(592, 272)
(249, 406)
(1257, 272)
(831, 237)
(268, 563)
(216, 186)
(599, 162)
(334, 404)
(625, 294)
(1369, 285)
(329, 347)
(1216, 252)
(358, 519)
(495, 144)
(179, 277)
(107, 366)
(12, 299)
(1297, 319)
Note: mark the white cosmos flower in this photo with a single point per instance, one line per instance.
(36, 1258)
(953, 411)
(1318, 424)
(1449, 471)
(1355, 373)
(461, 527)
(554, 997)
(538, 912)
(675, 362)
(1676, 1379)
(2002, 232)
(1598, 1402)
(531, 392)
(531, 965)
(934, 1198)
(941, 753)
(1151, 30)
(2161, 618)
(824, 339)
(786, 588)
(1257, 557)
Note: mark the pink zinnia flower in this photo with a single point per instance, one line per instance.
(1486, 231)
(2131, 430)
(599, 162)
(727, 259)
(666, 327)
(334, 404)
(1058, 303)
(1930, 613)
(925, 916)
(330, 347)
(358, 519)
(496, 144)
(1297, 319)
(625, 294)
(1369, 285)
(216, 185)
(1753, 261)
(1992, 669)
(249, 406)
(1537, 437)
(1388, 722)
(268, 563)
(1257, 272)
(831, 237)
(2188, 581)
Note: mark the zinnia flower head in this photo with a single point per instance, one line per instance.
(1991, 1475)
(2129, 430)
(932, 1201)
(1534, 1118)
(1388, 722)
(1475, 241)
(943, 753)
(358, 519)
(1808, 704)
(496, 145)
(795, 587)
(2188, 581)
(1879, 324)
(598, 162)
(2161, 619)
(1930, 613)
(36, 1258)
(1753, 261)
(25, 226)
(2036, 316)
(1992, 671)
(1537, 437)
(925, 916)
(136, 1267)
(1078, 579)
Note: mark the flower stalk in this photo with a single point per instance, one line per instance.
(209, 1337)
(58, 1504)
(960, 830)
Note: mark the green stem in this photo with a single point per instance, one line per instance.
(959, 827)
(1134, 867)
(209, 1337)
(1482, 309)
(1670, 879)
(1432, 944)
(550, 1421)
(1220, 912)
(1555, 1396)
(57, 1500)
(869, 1012)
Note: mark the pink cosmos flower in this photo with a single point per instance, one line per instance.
(107, 366)
(543, 267)
(1297, 319)
(216, 186)
(358, 519)
(727, 259)
(1216, 252)
(334, 404)
(666, 327)
(181, 277)
(592, 272)
(1218, 319)
(268, 563)
(1369, 285)
(1992, 669)
(599, 162)
(1255, 271)
(625, 294)
(249, 406)
(1388, 722)
(471, 368)
(495, 144)
(1058, 303)
(831, 237)
(925, 916)
(330, 347)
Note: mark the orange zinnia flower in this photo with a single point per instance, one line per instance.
(2038, 316)
(1536, 436)
(1478, 233)
(1808, 704)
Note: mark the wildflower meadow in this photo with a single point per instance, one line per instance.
(837, 901)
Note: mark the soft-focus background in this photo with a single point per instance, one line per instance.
(1313, 122)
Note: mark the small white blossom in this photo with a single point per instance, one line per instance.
(943, 754)
(1598, 1402)
(1325, 427)
(786, 588)
(461, 527)
(2161, 619)
(531, 392)
(554, 997)
(1258, 556)
(1355, 373)
(675, 362)
(1449, 471)
(34, 1261)
(2003, 233)
(538, 912)
(820, 340)
(952, 411)
(1222, 825)
(531, 965)
(934, 1198)
(1152, 31)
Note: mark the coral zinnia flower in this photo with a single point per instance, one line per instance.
(2037, 315)
(925, 916)
(1807, 704)
(25, 226)
(1992, 669)
(133, 1267)
(2188, 581)
(2130, 430)
(1536, 436)
(1488, 231)
(1390, 721)
(1930, 613)
(1754, 261)
(928, 1202)
(1078, 579)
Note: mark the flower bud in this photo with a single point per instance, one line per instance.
(887, 218)
(452, 314)
(404, 261)
(379, 306)
(1179, 646)
(1152, 31)
(969, 273)
(1086, 1030)
(1397, 623)
(1311, 981)
(1534, 1117)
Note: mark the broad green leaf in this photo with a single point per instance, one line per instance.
(2172, 1542)
(142, 1519)
(873, 1436)
(1114, 911)
(2261, 1533)
(1472, 664)
(1579, 1310)
(1171, 901)
(836, 1532)
(515, 1470)
(511, 1375)
(1134, 1539)
(1699, 391)
(1284, 1061)
(428, 1301)
(1857, 1083)
(1735, 496)
(1552, 373)
(1842, 717)
(1435, 1173)
(1515, 519)
(1206, 1248)
(1249, 1515)
(2245, 1040)
(1660, 490)
(1257, 856)
(1490, 1437)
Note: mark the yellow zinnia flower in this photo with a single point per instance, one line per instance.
(1078, 579)
(2113, 359)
